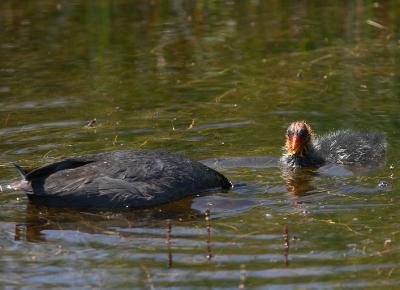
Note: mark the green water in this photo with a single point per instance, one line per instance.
(217, 81)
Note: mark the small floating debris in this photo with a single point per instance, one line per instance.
(382, 183)
(391, 174)
(91, 123)
(375, 24)
(299, 75)
(191, 125)
(172, 124)
(387, 243)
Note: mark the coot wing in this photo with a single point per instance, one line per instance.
(98, 191)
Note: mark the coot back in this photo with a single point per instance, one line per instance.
(120, 179)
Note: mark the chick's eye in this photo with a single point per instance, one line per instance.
(303, 132)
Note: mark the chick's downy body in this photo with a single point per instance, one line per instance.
(304, 149)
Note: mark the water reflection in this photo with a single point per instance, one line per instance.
(42, 218)
(299, 181)
(43, 223)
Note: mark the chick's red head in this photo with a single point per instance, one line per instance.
(298, 135)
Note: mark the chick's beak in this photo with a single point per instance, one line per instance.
(295, 143)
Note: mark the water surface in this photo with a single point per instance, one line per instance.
(217, 81)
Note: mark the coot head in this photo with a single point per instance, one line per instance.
(298, 138)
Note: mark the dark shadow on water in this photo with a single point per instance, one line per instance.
(40, 218)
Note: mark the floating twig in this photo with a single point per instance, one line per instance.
(115, 140)
(172, 124)
(6, 120)
(144, 143)
(375, 24)
(168, 242)
(286, 245)
(208, 226)
(219, 98)
(242, 277)
(91, 123)
(340, 224)
(148, 276)
(314, 61)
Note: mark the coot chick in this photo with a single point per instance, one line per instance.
(120, 179)
(304, 149)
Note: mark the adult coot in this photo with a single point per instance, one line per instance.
(303, 148)
(120, 179)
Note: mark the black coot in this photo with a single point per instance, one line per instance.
(303, 149)
(121, 179)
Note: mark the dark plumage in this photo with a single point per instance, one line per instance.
(121, 179)
(343, 147)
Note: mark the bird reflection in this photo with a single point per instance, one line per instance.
(299, 181)
(41, 218)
